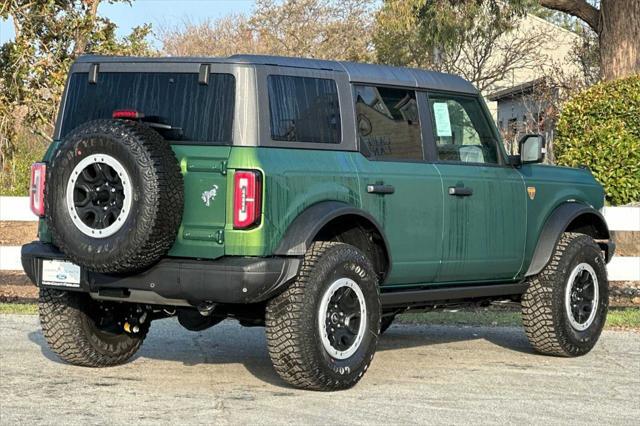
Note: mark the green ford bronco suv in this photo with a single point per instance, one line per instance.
(316, 198)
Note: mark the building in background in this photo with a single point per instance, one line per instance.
(524, 101)
(526, 108)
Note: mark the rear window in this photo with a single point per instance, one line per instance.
(197, 112)
(304, 109)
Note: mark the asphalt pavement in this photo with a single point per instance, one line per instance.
(420, 374)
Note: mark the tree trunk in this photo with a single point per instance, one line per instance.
(81, 32)
(619, 38)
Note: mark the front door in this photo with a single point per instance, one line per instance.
(401, 189)
(485, 199)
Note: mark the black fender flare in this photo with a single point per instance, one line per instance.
(557, 223)
(304, 228)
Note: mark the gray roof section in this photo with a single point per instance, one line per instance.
(357, 72)
(516, 91)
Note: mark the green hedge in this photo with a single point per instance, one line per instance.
(600, 128)
(16, 172)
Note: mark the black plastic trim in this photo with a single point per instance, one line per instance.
(403, 298)
(225, 280)
(305, 227)
(556, 224)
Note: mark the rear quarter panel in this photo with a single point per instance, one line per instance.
(294, 179)
(553, 187)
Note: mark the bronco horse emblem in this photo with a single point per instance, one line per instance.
(208, 196)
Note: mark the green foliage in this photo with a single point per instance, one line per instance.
(19, 308)
(14, 179)
(49, 35)
(600, 128)
(411, 32)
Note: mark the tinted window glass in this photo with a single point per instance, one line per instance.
(304, 109)
(388, 123)
(200, 112)
(461, 130)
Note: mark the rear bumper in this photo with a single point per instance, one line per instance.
(175, 280)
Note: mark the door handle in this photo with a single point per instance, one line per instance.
(380, 189)
(460, 191)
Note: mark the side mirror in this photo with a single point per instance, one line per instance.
(532, 149)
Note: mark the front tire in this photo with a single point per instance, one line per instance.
(78, 333)
(565, 306)
(323, 330)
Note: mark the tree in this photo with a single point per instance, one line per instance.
(323, 29)
(222, 37)
(471, 39)
(49, 35)
(617, 24)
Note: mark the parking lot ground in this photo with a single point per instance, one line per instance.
(421, 374)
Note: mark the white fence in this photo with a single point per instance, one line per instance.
(618, 219)
(16, 209)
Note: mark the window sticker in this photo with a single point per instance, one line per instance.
(441, 115)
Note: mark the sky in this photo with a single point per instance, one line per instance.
(156, 12)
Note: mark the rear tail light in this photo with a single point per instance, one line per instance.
(247, 203)
(36, 188)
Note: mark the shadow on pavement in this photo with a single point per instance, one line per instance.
(233, 344)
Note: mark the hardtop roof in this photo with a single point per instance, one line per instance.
(356, 72)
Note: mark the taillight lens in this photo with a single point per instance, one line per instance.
(247, 203)
(130, 114)
(36, 188)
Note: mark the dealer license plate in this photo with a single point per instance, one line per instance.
(60, 273)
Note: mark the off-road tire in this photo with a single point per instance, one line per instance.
(155, 215)
(71, 332)
(292, 320)
(386, 322)
(543, 304)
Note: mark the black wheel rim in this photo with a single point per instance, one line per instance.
(343, 319)
(98, 196)
(581, 297)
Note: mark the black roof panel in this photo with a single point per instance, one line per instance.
(357, 72)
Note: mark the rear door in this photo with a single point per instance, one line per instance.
(398, 186)
(485, 199)
(193, 113)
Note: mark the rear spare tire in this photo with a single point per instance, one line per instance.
(114, 196)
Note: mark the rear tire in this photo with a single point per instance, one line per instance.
(322, 330)
(565, 306)
(70, 324)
